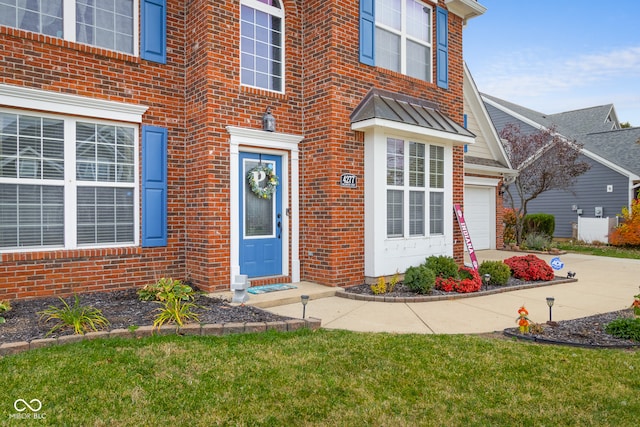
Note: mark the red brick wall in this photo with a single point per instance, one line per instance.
(332, 233)
(51, 64)
(196, 95)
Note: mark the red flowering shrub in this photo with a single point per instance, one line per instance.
(468, 281)
(446, 284)
(529, 268)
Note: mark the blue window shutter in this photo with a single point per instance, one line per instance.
(367, 31)
(442, 46)
(154, 186)
(153, 24)
(465, 119)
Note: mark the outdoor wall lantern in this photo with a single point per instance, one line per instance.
(268, 121)
(501, 189)
(485, 279)
(550, 301)
(304, 299)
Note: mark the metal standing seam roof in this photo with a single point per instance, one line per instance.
(379, 104)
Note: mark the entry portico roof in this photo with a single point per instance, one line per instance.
(388, 109)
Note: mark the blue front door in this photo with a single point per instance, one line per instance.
(260, 217)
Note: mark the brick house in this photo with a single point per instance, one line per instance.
(129, 135)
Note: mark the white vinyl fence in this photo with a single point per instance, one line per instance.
(595, 229)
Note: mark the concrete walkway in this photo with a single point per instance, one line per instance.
(604, 284)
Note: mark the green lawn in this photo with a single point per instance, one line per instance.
(600, 250)
(331, 378)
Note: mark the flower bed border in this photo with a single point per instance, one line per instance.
(342, 293)
(514, 333)
(192, 329)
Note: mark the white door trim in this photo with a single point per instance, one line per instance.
(286, 145)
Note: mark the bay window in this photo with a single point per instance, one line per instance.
(407, 188)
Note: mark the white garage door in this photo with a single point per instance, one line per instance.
(479, 215)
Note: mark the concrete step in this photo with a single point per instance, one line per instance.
(285, 297)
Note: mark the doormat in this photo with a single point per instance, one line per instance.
(256, 290)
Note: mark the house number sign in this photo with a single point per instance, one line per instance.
(348, 180)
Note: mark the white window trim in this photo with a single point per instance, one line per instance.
(286, 145)
(279, 13)
(11, 96)
(62, 103)
(404, 36)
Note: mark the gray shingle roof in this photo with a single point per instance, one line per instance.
(568, 123)
(380, 104)
(621, 147)
(585, 120)
(591, 127)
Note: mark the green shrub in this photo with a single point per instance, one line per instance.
(81, 318)
(380, 287)
(420, 279)
(442, 266)
(166, 288)
(537, 241)
(625, 328)
(4, 306)
(175, 310)
(540, 223)
(499, 271)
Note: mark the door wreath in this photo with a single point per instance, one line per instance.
(258, 174)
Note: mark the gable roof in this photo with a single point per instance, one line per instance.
(621, 147)
(475, 108)
(570, 124)
(399, 108)
(587, 120)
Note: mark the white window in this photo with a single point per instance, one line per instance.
(66, 182)
(261, 44)
(403, 37)
(109, 24)
(436, 188)
(407, 188)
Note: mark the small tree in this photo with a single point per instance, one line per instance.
(545, 160)
(628, 232)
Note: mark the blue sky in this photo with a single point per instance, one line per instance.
(558, 55)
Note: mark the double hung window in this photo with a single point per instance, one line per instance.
(408, 189)
(66, 183)
(104, 23)
(261, 44)
(403, 37)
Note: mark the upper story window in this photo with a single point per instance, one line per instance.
(403, 37)
(261, 44)
(104, 23)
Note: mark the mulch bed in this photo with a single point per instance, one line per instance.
(123, 309)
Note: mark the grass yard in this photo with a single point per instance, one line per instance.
(600, 250)
(322, 378)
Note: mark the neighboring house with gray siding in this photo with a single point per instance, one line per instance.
(613, 153)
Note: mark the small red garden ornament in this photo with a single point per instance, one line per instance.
(523, 320)
(636, 305)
